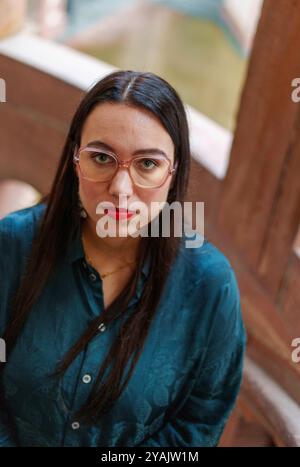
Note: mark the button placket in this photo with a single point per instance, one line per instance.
(75, 425)
(87, 378)
(92, 277)
(101, 327)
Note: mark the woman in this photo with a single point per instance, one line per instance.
(125, 339)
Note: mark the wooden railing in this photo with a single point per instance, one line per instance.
(258, 219)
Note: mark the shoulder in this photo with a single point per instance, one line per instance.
(22, 219)
(216, 295)
(205, 264)
(16, 233)
(17, 228)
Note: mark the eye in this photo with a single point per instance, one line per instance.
(102, 158)
(148, 163)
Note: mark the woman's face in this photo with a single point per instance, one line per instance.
(126, 129)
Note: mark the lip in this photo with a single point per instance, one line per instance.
(119, 213)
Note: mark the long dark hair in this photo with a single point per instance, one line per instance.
(60, 222)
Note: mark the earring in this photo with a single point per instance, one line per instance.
(83, 212)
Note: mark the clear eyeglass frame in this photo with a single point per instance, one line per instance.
(126, 164)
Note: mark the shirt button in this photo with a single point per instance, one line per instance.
(92, 277)
(75, 425)
(87, 379)
(101, 327)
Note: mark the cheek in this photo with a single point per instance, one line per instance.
(152, 196)
(91, 193)
(158, 194)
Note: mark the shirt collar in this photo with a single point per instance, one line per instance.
(76, 252)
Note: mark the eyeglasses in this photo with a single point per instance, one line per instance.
(100, 166)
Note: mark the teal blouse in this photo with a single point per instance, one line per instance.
(185, 383)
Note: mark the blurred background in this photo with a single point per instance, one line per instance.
(201, 46)
(232, 62)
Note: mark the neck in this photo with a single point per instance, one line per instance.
(112, 248)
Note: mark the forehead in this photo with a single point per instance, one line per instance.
(125, 128)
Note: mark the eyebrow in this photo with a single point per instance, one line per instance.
(103, 145)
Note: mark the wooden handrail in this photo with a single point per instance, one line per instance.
(272, 406)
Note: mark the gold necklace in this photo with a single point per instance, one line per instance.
(107, 273)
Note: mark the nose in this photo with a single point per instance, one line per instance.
(121, 183)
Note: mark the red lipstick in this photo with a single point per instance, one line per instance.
(119, 213)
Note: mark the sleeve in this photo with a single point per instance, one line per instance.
(7, 261)
(6, 435)
(201, 420)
